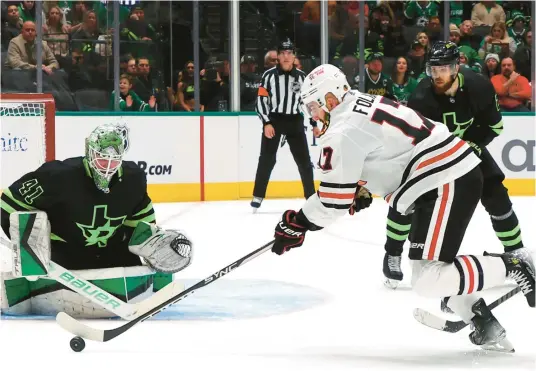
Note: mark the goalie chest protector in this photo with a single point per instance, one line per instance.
(90, 228)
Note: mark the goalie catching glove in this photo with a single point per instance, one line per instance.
(362, 200)
(166, 251)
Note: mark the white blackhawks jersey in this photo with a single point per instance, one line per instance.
(388, 148)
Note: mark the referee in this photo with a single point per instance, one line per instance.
(278, 103)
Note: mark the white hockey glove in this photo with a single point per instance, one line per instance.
(30, 242)
(166, 251)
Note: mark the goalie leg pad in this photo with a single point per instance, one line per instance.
(166, 251)
(30, 239)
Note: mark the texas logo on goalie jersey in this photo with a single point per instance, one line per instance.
(396, 151)
(90, 228)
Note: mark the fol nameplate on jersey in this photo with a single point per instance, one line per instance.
(363, 104)
(30, 237)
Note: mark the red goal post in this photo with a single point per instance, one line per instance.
(27, 134)
(34, 105)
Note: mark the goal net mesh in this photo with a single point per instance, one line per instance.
(23, 145)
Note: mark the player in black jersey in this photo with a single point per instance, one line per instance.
(466, 102)
(94, 205)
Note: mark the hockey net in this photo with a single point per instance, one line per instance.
(27, 128)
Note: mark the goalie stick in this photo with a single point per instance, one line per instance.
(438, 323)
(78, 328)
(104, 299)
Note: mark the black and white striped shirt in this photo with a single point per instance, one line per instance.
(279, 92)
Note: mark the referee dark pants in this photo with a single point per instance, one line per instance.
(292, 127)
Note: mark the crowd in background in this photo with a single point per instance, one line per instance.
(156, 48)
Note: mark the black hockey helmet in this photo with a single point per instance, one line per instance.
(443, 53)
(286, 45)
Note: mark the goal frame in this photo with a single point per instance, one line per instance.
(49, 118)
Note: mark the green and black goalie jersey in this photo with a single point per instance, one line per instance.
(471, 114)
(90, 229)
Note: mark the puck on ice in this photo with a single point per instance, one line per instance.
(77, 344)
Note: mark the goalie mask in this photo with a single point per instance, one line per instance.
(105, 148)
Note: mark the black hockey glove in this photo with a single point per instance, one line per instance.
(475, 147)
(362, 200)
(289, 233)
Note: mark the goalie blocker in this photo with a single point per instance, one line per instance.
(36, 286)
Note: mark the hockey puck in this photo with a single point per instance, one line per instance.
(77, 344)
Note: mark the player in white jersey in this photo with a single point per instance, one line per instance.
(420, 169)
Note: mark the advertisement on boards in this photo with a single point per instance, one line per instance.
(22, 147)
(514, 150)
(166, 148)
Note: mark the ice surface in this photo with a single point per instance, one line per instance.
(320, 307)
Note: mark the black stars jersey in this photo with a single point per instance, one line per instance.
(90, 229)
(471, 114)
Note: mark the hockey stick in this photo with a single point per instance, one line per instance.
(77, 328)
(128, 311)
(438, 323)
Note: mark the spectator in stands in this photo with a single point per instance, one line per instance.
(214, 86)
(63, 7)
(337, 27)
(12, 24)
(472, 56)
(423, 39)
(184, 99)
(523, 56)
(270, 59)
(75, 17)
(456, 12)
(79, 76)
(128, 99)
(352, 7)
(403, 83)
(512, 89)
(56, 39)
(492, 65)
(376, 82)
(418, 13)
(249, 83)
(395, 43)
(21, 53)
(136, 27)
(433, 29)
(497, 42)
(132, 66)
(486, 13)
(87, 31)
(518, 29)
(467, 37)
(149, 84)
(27, 11)
(350, 44)
(310, 14)
(468, 63)
(417, 60)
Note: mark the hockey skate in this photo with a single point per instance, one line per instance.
(256, 203)
(392, 271)
(488, 332)
(520, 268)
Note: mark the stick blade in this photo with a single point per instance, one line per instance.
(77, 328)
(428, 319)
